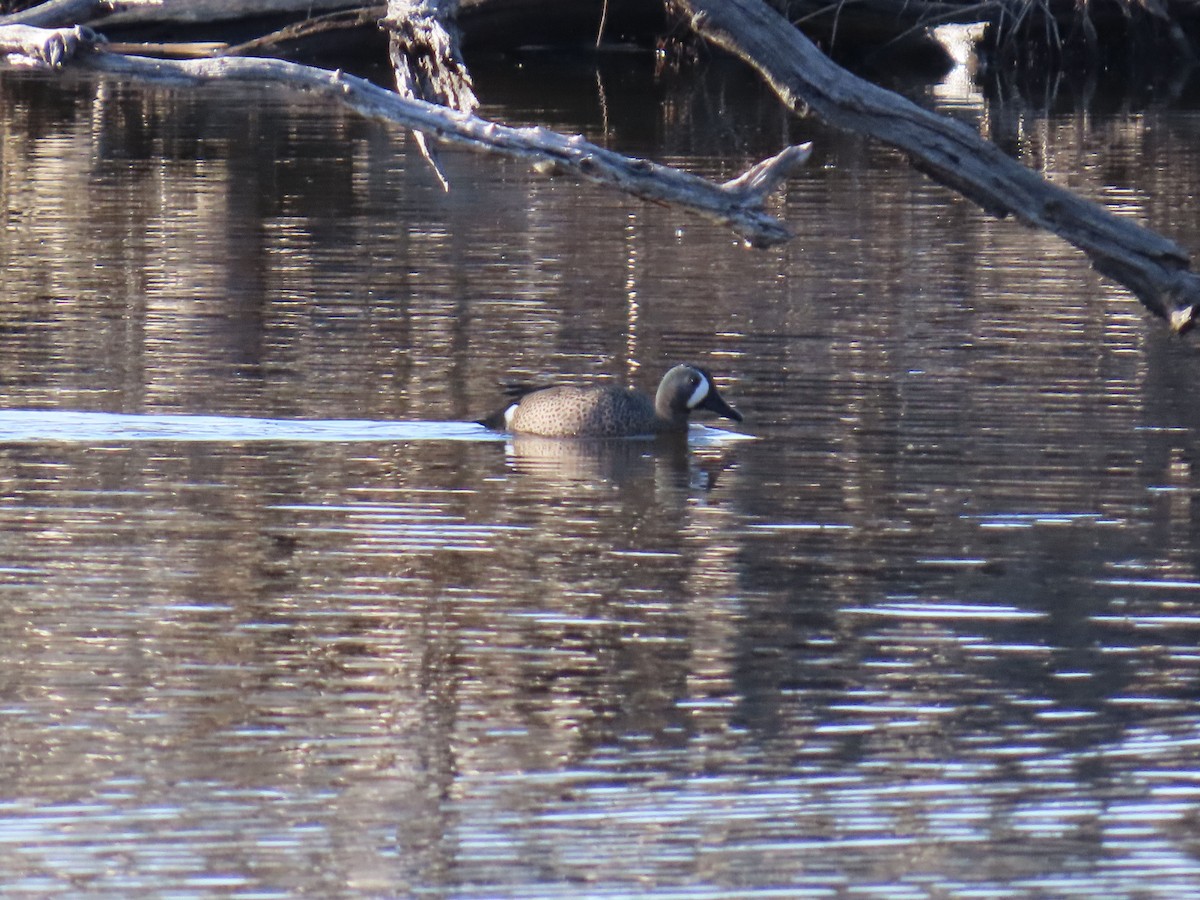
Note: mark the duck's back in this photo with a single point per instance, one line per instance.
(584, 412)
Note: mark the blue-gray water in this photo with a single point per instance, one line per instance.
(276, 620)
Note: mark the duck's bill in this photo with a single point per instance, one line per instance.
(715, 403)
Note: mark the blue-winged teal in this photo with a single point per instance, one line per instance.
(612, 412)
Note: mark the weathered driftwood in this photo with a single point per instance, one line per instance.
(53, 13)
(737, 204)
(1154, 268)
(427, 61)
(140, 12)
(425, 53)
(57, 13)
(28, 45)
(487, 23)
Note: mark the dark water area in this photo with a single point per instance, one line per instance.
(278, 621)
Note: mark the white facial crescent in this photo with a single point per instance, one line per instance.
(699, 393)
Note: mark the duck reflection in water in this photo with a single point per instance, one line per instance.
(664, 460)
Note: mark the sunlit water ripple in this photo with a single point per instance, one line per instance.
(59, 426)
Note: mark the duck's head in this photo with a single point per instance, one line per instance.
(687, 388)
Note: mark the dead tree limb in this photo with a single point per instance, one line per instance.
(42, 47)
(737, 204)
(58, 13)
(1154, 268)
(426, 55)
(423, 45)
(185, 12)
(308, 28)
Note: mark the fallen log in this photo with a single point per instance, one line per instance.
(738, 203)
(490, 24)
(425, 53)
(27, 45)
(183, 12)
(427, 62)
(1153, 267)
(58, 13)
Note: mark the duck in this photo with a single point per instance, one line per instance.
(607, 411)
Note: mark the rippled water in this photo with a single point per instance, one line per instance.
(278, 620)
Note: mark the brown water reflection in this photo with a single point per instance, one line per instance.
(931, 633)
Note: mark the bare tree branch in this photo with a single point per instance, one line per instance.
(1154, 268)
(737, 204)
(58, 13)
(423, 45)
(25, 45)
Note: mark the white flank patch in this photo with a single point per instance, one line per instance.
(508, 415)
(699, 393)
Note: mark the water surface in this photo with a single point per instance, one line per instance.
(278, 621)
